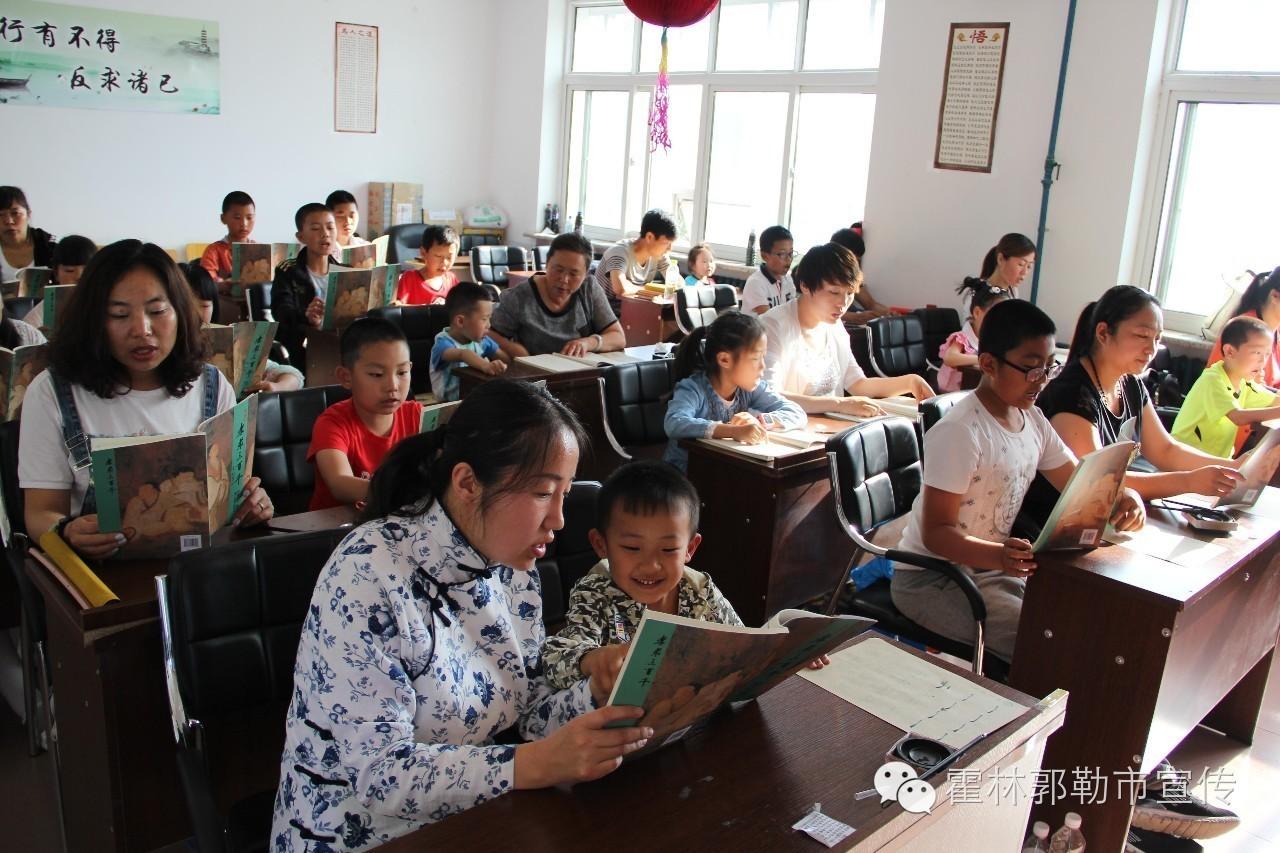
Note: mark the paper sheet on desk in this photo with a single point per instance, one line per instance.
(913, 694)
(1164, 545)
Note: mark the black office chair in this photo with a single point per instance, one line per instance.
(894, 346)
(540, 255)
(938, 324)
(635, 404)
(467, 242)
(699, 305)
(285, 421)
(231, 617)
(489, 264)
(570, 555)
(420, 324)
(404, 241)
(875, 477)
(932, 410)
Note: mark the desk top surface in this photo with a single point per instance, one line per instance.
(520, 370)
(738, 784)
(801, 460)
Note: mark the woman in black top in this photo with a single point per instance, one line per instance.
(1099, 390)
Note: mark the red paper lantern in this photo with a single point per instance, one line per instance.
(671, 13)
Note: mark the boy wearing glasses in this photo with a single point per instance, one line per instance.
(771, 285)
(980, 461)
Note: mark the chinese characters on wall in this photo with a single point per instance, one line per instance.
(971, 97)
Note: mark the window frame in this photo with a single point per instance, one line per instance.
(794, 82)
(1169, 152)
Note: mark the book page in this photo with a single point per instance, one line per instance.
(1257, 471)
(1164, 545)
(552, 362)
(595, 359)
(913, 694)
(1084, 508)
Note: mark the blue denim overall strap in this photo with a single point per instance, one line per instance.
(211, 384)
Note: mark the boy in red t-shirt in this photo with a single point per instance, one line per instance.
(431, 284)
(351, 438)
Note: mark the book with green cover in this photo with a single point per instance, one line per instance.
(437, 415)
(56, 297)
(366, 256)
(352, 293)
(1084, 508)
(170, 493)
(240, 351)
(33, 280)
(18, 366)
(1258, 468)
(255, 263)
(681, 670)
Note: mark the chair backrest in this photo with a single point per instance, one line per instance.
(877, 470)
(897, 345)
(540, 255)
(285, 421)
(194, 251)
(235, 613)
(635, 400)
(257, 298)
(9, 489)
(938, 324)
(489, 264)
(467, 242)
(420, 324)
(699, 305)
(932, 410)
(404, 241)
(570, 556)
(18, 307)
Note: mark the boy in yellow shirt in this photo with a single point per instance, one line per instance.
(1229, 397)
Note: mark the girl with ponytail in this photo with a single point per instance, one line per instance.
(1004, 267)
(424, 638)
(1261, 300)
(722, 392)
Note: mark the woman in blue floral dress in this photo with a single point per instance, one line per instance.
(424, 639)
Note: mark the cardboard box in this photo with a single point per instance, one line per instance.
(392, 204)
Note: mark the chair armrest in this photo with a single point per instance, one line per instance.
(951, 572)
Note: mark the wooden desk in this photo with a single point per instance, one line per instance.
(515, 277)
(648, 319)
(741, 783)
(1148, 650)
(115, 742)
(770, 535)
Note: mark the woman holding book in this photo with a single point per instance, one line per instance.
(553, 313)
(128, 360)
(424, 638)
(22, 245)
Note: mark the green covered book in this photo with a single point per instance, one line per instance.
(170, 493)
(240, 351)
(681, 670)
(1084, 508)
(255, 263)
(18, 366)
(56, 297)
(33, 280)
(352, 293)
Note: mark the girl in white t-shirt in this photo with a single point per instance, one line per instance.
(127, 360)
(979, 462)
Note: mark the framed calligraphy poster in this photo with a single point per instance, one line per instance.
(355, 78)
(971, 97)
(57, 55)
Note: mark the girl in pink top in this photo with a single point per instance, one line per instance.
(961, 349)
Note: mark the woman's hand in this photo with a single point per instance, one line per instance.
(1213, 480)
(920, 389)
(1129, 513)
(256, 507)
(818, 662)
(315, 313)
(1017, 558)
(602, 666)
(83, 535)
(859, 407)
(580, 750)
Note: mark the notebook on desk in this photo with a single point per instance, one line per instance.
(906, 407)
(777, 445)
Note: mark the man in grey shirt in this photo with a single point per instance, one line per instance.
(638, 261)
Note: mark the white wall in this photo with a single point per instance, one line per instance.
(928, 228)
(162, 177)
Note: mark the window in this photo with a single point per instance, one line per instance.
(770, 115)
(1217, 176)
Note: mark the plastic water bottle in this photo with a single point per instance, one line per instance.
(577, 223)
(1038, 840)
(1068, 839)
(751, 248)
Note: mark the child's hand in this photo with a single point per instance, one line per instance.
(602, 666)
(580, 750)
(1129, 514)
(818, 662)
(493, 367)
(859, 407)
(315, 312)
(749, 431)
(1017, 558)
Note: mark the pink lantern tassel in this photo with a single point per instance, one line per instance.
(659, 134)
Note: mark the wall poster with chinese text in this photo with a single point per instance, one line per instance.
(971, 97)
(57, 55)
(355, 78)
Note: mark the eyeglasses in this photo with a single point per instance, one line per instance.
(786, 256)
(1035, 375)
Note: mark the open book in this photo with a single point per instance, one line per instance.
(255, 263)
(56, 297)
(436, 415)
(680, 670)
(365, 257)
(240, 351)
(32, 281)
(1257, 470)
(352, 293)
(169, 493)
(777, 444)
(560, 363)
(17, 368)
(907, 407)
(1080, 517)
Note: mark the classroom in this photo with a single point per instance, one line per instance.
(549, 424)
